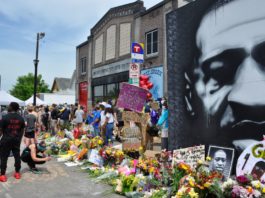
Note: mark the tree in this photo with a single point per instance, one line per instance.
(24, 87)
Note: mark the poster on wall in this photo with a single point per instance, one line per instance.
(215, 81)
(83, 94)
(252, 161)
(156, 77)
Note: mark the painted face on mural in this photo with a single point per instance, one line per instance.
(231, 67)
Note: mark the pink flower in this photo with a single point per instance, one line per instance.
(242, 179)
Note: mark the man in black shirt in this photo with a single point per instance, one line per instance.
(12, 126)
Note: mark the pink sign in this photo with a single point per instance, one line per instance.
(132, 97)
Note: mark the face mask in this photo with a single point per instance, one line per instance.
(41, 148)
(162, 101)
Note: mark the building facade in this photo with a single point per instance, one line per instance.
(103, 60)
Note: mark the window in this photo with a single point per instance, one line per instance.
(111, 90)
(125, 38)
(83, 65)
(151, 42)
(98, 90)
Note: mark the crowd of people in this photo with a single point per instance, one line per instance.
(17, 125)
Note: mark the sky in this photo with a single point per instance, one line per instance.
(66, 24)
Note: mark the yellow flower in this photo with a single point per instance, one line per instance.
(193, 194)
(208, 158)
(199, 162)
(151, 169)
(100, 142)
(263, 190)
(207, 185)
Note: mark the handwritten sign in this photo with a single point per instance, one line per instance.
(131, 97)
(95, 158)
(135, 117)
(189, 155)
(252, 161)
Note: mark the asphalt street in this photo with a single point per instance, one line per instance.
(57, 180)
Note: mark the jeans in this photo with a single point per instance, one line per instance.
(109, 131)
(96, 132)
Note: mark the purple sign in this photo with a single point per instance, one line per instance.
(131, 97)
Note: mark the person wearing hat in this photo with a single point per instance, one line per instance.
(12, 126)
(34, 154)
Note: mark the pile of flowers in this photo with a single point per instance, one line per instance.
(111, 156)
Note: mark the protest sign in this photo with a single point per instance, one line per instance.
(132, 97)
(252, 161)
(95, 158)
(189, 155)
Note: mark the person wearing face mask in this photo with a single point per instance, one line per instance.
(35, 154)
(163, 124)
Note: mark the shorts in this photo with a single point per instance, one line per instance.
(30, 134)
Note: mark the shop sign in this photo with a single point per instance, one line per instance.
(137, 51)
(113, 68)
(252, 161)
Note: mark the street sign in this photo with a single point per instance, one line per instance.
(137, 51)
(134, 70)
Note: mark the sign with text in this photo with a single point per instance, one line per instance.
(156, 76)
(137, 51)
(252, 161)
(95, 158)
(131, 97)
(189, 155)
(134, 74)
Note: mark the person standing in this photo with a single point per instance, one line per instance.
(12, 126)
(96, 121)
(31, 126)
(79, 115)
(163, 123)
(109, 123)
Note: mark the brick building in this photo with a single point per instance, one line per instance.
(102, 61)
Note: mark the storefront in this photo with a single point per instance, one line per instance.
(106, 80)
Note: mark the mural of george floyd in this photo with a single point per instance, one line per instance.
(216, 73)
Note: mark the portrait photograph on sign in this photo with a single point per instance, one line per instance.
(222, 159)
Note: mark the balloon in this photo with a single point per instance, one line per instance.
(144, 87)
(149, 95)
(150, 85)
(144, 77)
(142, 83)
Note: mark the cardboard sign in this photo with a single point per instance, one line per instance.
(189, 155)
(135, 117)
(252, 161)
(132, 97)
(95, 158)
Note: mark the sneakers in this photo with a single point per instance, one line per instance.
(17, 175)
(3, 178)
(35, 171)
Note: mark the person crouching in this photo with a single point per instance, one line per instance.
(34, 154)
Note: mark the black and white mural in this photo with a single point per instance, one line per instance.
(216, 68)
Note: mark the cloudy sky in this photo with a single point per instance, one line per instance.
(66, 24)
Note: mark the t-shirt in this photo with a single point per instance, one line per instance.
(102, 118)
(65, 114)
(111, 117)
(30, 119)
(12, 126)
(96, 115)
(79, 116)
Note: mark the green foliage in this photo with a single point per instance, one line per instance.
(24, 87)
